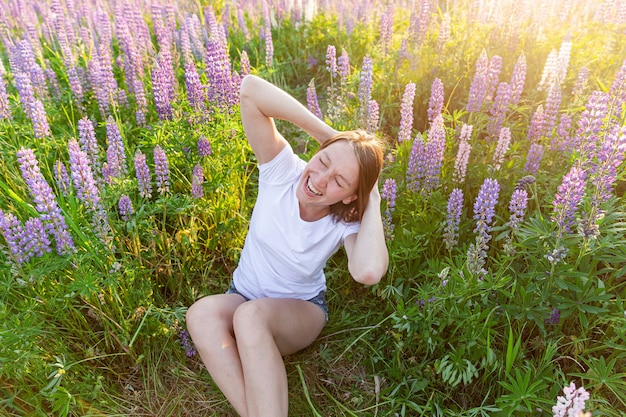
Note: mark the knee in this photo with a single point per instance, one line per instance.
(203, 318)
(195, 313)
(250, 322)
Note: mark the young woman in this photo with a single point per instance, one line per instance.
(303, 213)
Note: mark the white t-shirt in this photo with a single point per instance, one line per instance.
(284, 256)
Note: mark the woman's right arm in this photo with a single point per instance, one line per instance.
(261, 102)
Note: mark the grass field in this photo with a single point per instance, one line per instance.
(126, 185)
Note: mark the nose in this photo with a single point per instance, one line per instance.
(323, 178)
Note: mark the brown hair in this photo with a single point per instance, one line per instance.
(369, 153)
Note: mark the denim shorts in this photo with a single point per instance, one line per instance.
(319, 300)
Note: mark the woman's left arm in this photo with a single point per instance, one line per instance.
(368, 258)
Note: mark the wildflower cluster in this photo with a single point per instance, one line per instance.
(572, 403)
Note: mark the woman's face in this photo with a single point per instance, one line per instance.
(331, 176)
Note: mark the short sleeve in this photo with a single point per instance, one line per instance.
(282, 169)
(351, 228)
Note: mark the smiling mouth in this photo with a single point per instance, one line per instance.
(311, 189)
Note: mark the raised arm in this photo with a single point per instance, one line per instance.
(261, 102)
(368, 258)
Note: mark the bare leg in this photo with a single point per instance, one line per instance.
(267, 329)
(210, 324)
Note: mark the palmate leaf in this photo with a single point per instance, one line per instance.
(524, 393)
(601, 373)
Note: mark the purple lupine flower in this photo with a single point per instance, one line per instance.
(374, 116)
(185, 42)
(29, 65)
(88, 142)
(498, 109)
(435, 148)
(406, 113)
(504, 141)
(590, 125)
(125, 207)
(269, 47)
(419, 22)
(478, 88)
(572, 403)
(484, 207)
(444, 29)
(554, 319)
(525, 181)
(311, 99)
(5, 108)
(197, 179)
(609, 158)
(219, 71)
(45, 201)
(187, 343)
(564, 55)
(484, 211)
(241, 21)
(244, 64)
(116, 154)
(53, 82)
(365, 87)
(204, 146)
(518, 79)
(161, 170)
(161, 86)
(562, 141)
(424, 169)
(343, 65)
(389, 195)
(62, 177)
(435, 106)
(533, 159)
(461, 161)
(416, 168)
(551, 109)
(331, 61)
(517, 208)
(75, 83)
(195, 93)
(581, 82)
(386, 29)
(142, 172)
(82, 177)
(39, 119)
(141, 103)
(466, 132)
(453, 218)
(36, 242)
(536, 122)
(550, 71)
(493, 76)
(25, 90)
(13, 233)
(99, 85)
(567, 199)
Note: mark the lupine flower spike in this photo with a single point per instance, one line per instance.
(484, 211)
(389, 195)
